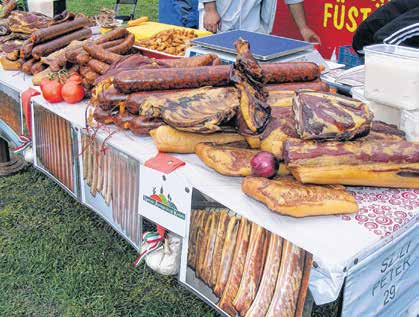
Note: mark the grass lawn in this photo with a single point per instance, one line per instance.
(57, 258)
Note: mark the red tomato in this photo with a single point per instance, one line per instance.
(74, 77)
(51, 90)
(72, 92)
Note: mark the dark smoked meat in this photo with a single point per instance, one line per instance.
(327, 116)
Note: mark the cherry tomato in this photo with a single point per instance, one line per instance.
(51, 90)
(72, 92)
(74, 77)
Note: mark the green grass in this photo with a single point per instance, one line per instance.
(57, 258)
(144, 8)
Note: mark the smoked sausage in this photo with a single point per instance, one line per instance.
(54, 45)
(98, 66)
(54, 31)
(124, 46)
(141, 125)
(101, 54)
(177, 78)
(112, 35)
(195, 61)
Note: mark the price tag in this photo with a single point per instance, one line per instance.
(387, 282)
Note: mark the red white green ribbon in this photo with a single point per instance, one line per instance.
(153, 242)
(25, 143)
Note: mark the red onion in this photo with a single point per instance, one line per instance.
(264, 164)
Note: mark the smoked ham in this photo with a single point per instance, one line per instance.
(287, 196)
(327, 116)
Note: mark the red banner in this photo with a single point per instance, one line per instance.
(335, 21)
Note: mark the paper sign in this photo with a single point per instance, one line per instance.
(165, 199)
(387, 282)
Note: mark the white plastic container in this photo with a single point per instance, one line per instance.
(409, 123)
(47, 7)
(392, 75)
(381, 112)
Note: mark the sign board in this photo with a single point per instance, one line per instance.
(334, 21)
(387, 282)
(165, 199)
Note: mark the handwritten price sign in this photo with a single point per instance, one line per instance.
(385, 283)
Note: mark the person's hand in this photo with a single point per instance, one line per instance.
(212, 20)
(309, 35)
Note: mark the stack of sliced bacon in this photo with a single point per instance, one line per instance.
(252, 271)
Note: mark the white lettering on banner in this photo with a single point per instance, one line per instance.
(386, 283)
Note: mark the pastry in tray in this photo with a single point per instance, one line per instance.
(287, 196)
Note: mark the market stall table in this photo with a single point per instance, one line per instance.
(338, 243)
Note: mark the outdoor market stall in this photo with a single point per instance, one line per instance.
(123, 177)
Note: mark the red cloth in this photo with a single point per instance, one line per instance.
(164, 163)
(26, 105)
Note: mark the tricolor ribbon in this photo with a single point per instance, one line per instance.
(25, 143)
(153, 242)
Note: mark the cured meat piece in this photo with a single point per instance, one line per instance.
(27, 22)
(250, 79)
(237, 268)
(266, 290)
(12, 46)
(168, 139)
(364, 163)
(58, 30)
(327, 116)
(281, 127)
(201, 110)
(286, 196)
(284, 301)
(200, 243)
(384, 131)
(7, 8)
(62, 17)
(101, 54)
(83, 58)
(37, 68)
(124, 46)
(316, 85)
(253, 268)
(218, 248)
(112, 35)
(227, 255)
(308, 261)
(226, 159)
(122, 120)
(98, 66)
(193, 232)
(90, 76)
(209, 256)
(54, 45)
(194, 61)
(107, 97)
(200, 268)
(10, 65)
(141, 125)
(105, 117)
(138, 102)
(26, 49)
(58, 59)
(27, 66)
